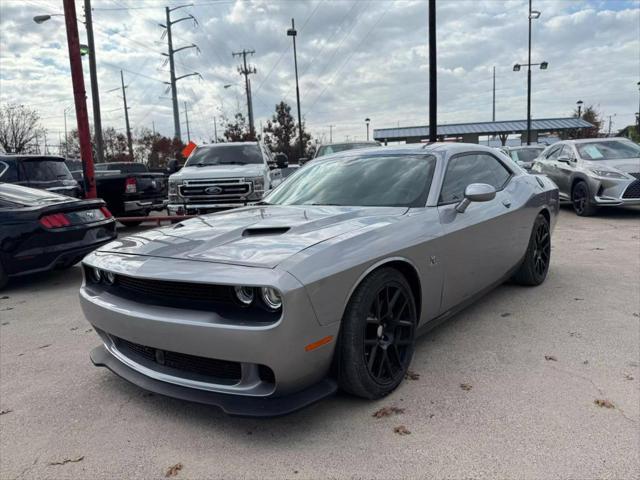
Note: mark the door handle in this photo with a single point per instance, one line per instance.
(506, 203)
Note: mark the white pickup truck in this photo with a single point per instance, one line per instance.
(221, 176)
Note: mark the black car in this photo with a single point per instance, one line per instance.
(39, 171)
(41, 230)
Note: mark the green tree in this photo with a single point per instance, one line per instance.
(237, 130)
(281, 134)
(589, 114)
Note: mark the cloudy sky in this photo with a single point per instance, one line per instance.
(357, 59)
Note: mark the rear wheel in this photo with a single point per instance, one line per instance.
(377, 336)
(581, 200)
(535, 266)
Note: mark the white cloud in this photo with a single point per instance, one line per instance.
(357, 59)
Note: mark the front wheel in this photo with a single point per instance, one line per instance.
(377, 335)
(535, 265)
(581, 200)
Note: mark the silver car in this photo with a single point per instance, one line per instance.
(593, 172)
(265, 309)
(524, 155)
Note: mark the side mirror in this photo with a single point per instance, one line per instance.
(303, 160)
(476, 192)
(564, 159)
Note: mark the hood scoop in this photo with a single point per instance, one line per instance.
(263, 231)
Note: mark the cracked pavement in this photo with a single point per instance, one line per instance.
(519, 414)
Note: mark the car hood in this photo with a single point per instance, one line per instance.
(261, 236)
(626, 165)
(219, 171)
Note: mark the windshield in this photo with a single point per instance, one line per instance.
(225, 155)
(341, 147)
(43, 170)
(386, 181)
(526, 154)
(608, 150)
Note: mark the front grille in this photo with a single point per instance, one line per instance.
(633, 190)
(163, 290)
(202, 366)
(224, 189)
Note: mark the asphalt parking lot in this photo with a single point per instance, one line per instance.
(509, 388)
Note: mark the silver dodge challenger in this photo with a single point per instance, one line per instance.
(323, 285)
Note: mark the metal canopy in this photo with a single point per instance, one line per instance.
(481, 128)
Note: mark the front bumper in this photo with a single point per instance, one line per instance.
(615, 192)
(230, 404)
(280, 345)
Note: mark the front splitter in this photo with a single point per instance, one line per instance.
(236, 405)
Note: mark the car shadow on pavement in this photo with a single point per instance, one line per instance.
(52, 280)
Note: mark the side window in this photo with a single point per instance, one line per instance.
(472, 168)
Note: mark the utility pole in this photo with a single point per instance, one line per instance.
(215, 130)
(172, 68)
(79, 95)
(246, 71)
(493, 116)
(529, 83)
(608, 134)
(433, 81)
(331, 133)
(126, 118)
(367, 120)
(186, 114)
(95, 93)
(153, 126)
(293, 33)
(66, 138)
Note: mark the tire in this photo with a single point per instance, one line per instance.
(581, 200)
(376, 342)
(4, 278)
(535, 265)
(131, 224)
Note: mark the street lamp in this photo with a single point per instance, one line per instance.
(579, 103)
(293, 33)
(367, 120)
(533, 14)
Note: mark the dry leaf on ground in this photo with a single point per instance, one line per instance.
(466, 387)
(551, 358)
(388, 411)
(411, 375)
(68, 460)
(604, 403)
(628, 376)
(4, 412)
(401, 430)
(173, 470)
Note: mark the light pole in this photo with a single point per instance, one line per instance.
(579, 103)
(293, 33)
(638, 114)
(533, 14)
(367, 120)
(95, 92)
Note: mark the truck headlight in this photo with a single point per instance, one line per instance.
(258, 183)
(173, 187)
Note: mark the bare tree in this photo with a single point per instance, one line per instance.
(19, 125)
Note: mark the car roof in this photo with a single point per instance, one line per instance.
(524, 147)
(31, 157)
(229, 144)
(590, 140)
(440, 148)
(363, 142)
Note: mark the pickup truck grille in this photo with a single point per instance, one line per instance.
(224, 189)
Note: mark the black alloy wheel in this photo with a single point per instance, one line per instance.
(389, 335)
(581, 201)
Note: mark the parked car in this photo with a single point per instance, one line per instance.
(330, 148)
(39, 171)
(265, 309)
(41, 230)
(594, 172)
(130, 190)
(524, 155)
(221, 176)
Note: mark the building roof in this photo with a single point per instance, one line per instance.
(481, 128)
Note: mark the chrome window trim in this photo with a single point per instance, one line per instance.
(6, 168)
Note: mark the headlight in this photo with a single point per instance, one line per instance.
(607, 173)
(173, 187)
(109, 278)
(258, 183)
(244, 295)
(271, 298)
(95, 275)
